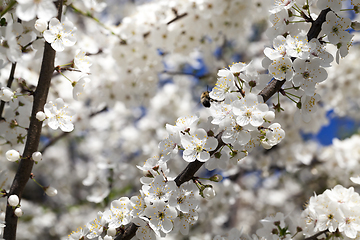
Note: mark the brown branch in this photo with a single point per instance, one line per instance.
(273, 87)
(316, 26)
(33, 135)
(188, 173)
(53, 141)
(128, 232)
(314, 237)
(177, 18)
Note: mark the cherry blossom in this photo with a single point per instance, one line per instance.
(60, 35)
(59, 115)
(198, 145)
(161, 216)
(249, 110)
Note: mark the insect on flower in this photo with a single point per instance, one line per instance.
(205, 99)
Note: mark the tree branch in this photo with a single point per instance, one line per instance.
(314, 237)
(128, 232)
(33, 135)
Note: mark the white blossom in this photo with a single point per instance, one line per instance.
(13, 200)
(29, 9)
(59, 115)
(198, 145)
(60, 35)
(12, 155)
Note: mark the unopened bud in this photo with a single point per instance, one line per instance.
(12, 155)
(40, 116)
(216, 178)
(50, 191)
(265, 145)
(37, 156)
(13, 200)
(18, 212)
(269, 116)
(209, 193)
(41, 25)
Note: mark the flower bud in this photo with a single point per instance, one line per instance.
(209, 193)
(265, 145)
(6, 94)
(41, 25)
(50, 191)
(216, 178)
(13, 200)
(12, 155)
(18, 212)
(40, 116)
(269, 116)
(37, 156)
(111, 232)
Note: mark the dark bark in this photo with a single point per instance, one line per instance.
(33, 135)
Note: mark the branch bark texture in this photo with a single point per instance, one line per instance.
(33, 135)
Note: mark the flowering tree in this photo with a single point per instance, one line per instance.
(98, 110)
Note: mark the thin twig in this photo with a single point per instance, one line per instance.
(314, 237)
(64, 134)
(177, 18)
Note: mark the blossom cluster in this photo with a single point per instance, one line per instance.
(161, 207)
(335, 210)
(302, 61)
(239, 119)
(239, 122)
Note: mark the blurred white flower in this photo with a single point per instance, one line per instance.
(59, 115)
(29, 9)
(6, 94)
(82, 62)
(12, 155)
(13, 200)
(41, 25)
(50, 191)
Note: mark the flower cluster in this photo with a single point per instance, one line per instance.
(239, 119)
(161, 207)
(301, 61)
(334, 210)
